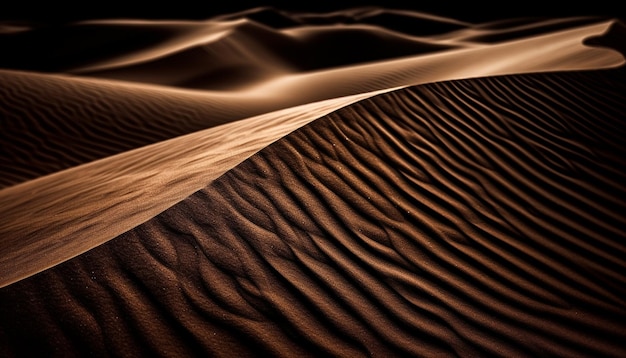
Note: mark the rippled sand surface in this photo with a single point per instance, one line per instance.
(362, 182)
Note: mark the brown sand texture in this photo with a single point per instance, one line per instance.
(366, 182)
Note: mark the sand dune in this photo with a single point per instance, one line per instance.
(157, 113)
(477, 217)
(165, 112)
(82, 207)
(249, 47)
(113, 117)
(355, 183)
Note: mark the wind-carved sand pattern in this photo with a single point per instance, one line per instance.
(463, 199)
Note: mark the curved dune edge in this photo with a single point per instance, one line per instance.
(106, 187)
(72, 211)
(471, 218)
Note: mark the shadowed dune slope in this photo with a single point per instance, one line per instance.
(50, 123)
(251, 53)
(478, 217)
(405, 21)
(145, 49)
(508, 29)
(237, 50)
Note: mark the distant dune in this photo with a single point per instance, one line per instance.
(268, 183)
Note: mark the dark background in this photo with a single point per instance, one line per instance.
(476, 11)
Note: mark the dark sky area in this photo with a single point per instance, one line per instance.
(477, 10)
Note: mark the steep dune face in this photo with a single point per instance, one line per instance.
(476, 217)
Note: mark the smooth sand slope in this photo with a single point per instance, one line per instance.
(477, 217)
(265, 183)
(73, 121)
